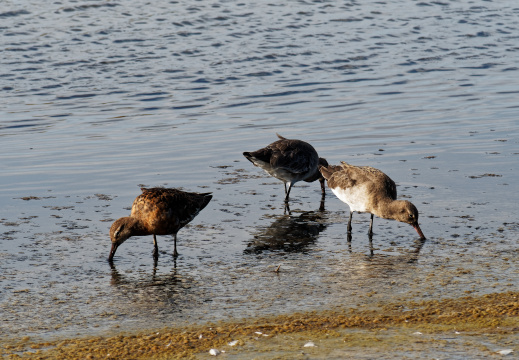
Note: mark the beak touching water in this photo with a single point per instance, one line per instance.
(112, 251)
(418, 230)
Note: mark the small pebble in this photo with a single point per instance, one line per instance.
(309, 344)
(233, 343)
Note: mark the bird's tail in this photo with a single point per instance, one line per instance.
(262, 155)
(206, 198)
(248, 155)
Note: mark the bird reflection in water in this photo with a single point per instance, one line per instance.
(409, 256)
(164, 288)
(321, 207)
(365, 270)
(288, 234)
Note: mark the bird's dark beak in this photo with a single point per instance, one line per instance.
(419, 231)
(112, 252)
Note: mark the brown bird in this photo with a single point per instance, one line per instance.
(290, 161)
(366, 189)
(158, 211)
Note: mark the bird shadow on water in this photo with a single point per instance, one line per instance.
(288, 233)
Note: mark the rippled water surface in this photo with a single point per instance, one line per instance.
(101, 97)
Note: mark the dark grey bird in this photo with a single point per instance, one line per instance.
(290, 161)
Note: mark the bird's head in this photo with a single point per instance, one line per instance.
(408, 213)
(317, 175)
(120, 231)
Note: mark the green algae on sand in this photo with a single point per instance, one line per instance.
(477, 326)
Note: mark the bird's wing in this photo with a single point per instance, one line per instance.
(293, 155)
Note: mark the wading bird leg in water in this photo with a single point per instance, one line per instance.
(155, 247)
(287, 209)
(321, 205)
(288, 192)
(323, 191)
(349, 223)
(370, 231)
(175, 252)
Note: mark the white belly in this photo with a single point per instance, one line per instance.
(355, 197)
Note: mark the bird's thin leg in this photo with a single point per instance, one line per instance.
(349, 222)
(323, 191)
(323, 195)
(370, 232)
(285, 188)
(288, 192)
(287, 209)
(175, 252)
(155, 247)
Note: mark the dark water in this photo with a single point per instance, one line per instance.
(100, 97)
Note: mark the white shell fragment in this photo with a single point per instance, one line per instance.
(233, 343)
(417, 333)
(505, 351)
(214, 352)
(260, 333)
(309, 344)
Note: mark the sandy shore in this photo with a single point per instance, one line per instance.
(470, 326)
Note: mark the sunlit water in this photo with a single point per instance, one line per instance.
(101, 97)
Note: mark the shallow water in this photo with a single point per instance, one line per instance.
(102, 97)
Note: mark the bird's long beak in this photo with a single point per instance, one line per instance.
(112, 251)
(419, 231)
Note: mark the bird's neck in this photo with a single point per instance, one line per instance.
(386, 208)
(137, 227)
(316, 175)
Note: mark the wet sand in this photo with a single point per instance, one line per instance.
(466, 327)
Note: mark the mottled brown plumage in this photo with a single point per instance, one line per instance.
(366, 189)
(290, 161)
(158, 211)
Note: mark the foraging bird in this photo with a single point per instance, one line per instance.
(366, 189)
(290, 161)
(158, 211)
